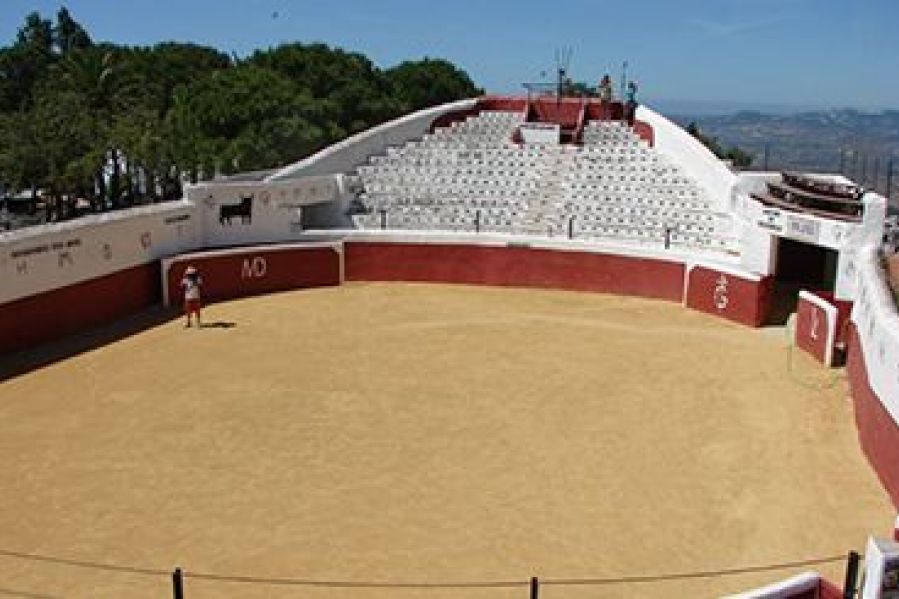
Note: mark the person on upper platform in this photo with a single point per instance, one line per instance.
(605, 88)
(630, 106)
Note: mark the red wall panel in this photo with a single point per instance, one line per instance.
(877, 431)
(605, 111)
(828, 590)
(513, 266)
(812, 332)
(729, 296)
(76, 308)
(504, 103)
(256, 271)
(844, 311)
(564, 113)
(645, 132)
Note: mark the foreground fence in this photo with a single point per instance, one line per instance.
(531, 588)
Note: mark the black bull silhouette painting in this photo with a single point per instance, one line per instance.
(244, 210)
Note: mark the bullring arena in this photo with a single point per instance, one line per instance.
(416, 404)
(432, 433)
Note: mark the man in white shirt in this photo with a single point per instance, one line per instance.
(191, 283)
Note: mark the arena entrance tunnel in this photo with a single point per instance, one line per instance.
(800, 266)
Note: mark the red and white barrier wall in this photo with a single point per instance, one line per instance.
(816, 327)
(247, 271)
(873, 369)
(738, 296)
(512, 264)
(61, 279)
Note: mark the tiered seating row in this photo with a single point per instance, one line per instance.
(620, 187)
(470, 176)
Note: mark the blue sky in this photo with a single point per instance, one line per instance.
(804, 53)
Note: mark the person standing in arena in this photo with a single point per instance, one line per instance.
(191, 283)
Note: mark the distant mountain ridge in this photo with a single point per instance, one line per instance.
(812, 141)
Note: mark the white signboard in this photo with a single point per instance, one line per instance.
(803, 229)
(771, 220)
(541, 133)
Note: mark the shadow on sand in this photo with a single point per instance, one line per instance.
(218, 325)
(783, 303)
(26, 361)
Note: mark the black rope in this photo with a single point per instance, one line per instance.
(26, 594)
(419, 585)
(34, 557)
(362, 584)
(692, 575)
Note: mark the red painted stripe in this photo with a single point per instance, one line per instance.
(729, 296)
(812, 329)
(51, 315)
(257, 271)
(878, 433)
(515, 267)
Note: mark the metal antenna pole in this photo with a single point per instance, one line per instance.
(876, 172)
(889, 177)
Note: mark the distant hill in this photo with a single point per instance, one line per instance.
(812, 141)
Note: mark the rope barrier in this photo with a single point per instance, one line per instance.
(26, 594)
(693, 575)
(34, 557)
(361, 584)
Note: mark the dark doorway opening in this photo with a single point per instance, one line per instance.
(799, 266)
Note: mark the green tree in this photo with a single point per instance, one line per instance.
(23, 162)
(735, 155)
(23, 64)
(354, 94)
(429, 82)
(115, 124)
(68, 34)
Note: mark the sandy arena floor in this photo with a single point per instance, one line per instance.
(415, 433)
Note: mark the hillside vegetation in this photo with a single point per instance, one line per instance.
(116, 125)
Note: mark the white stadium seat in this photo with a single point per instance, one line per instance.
(615, 186)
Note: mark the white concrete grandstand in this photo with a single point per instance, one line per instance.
(472, 176)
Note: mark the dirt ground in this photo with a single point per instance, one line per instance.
(424, 433)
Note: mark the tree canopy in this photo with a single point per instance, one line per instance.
(117, 125)
(739, 158)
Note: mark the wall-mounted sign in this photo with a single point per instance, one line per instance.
(803, 229)
(772, 220)
(540, 133)
(242, 210)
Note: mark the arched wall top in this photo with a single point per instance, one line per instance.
(346, 155)
(684, 150)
